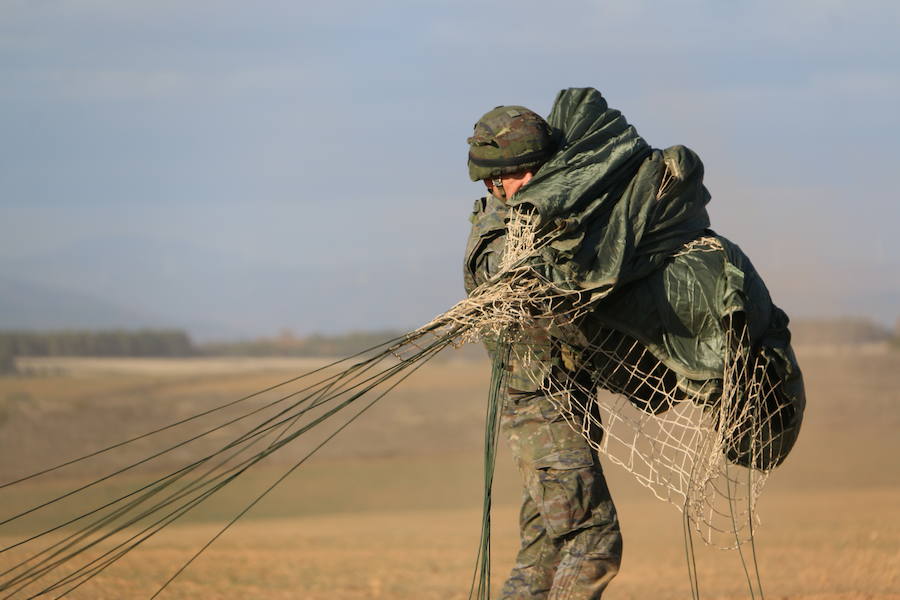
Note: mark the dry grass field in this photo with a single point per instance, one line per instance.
(390, 509)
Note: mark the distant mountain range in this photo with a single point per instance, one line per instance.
(27, 305)
(120, 282)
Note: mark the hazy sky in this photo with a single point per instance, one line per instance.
(311, 134)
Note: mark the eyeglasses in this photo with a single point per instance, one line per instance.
(490, 184)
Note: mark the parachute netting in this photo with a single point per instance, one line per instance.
(706, 448)
(684, 444)
(685, 450)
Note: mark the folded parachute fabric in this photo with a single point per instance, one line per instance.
(626, 227)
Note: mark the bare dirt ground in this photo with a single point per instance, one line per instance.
(391, 508)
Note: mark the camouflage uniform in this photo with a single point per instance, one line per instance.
(570, 540)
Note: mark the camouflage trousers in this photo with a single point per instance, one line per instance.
(571, 544)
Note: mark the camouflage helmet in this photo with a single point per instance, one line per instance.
(508, 139)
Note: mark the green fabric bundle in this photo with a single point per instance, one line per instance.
(628, 227)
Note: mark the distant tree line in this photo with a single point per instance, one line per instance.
(841, 330)
(120, 342)
(287, 344)
(7, 361)
(896, 340)
(175, 343)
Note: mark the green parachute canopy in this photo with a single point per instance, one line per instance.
(626, 225)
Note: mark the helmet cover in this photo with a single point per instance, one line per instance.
(508, 139)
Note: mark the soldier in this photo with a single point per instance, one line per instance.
(570, 541)
(667, 304)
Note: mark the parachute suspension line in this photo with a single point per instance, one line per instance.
(200, 499)
(689, 552)
(197, 415)
(482, 575)
(739, 545)
(759, 585)
(750, 511)
(35, 572)
(751, 538)
(738, 377)
(103, 521)
(177, 474)
(333, 379)
(351, 384)
(78, 535)
(745, 377)
(422, 360)
(136, 464)
(690, 555)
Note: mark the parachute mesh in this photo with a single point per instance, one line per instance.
(706, 447)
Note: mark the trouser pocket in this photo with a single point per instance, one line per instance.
(566, 483)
